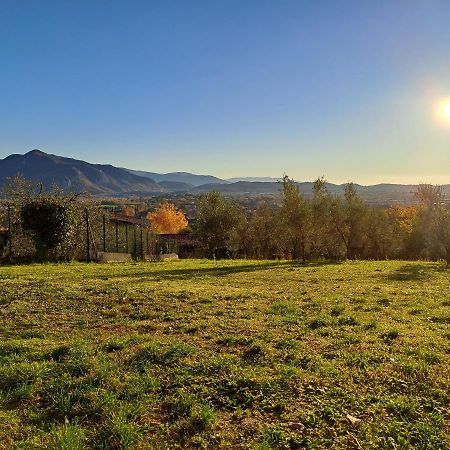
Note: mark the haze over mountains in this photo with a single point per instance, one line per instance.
(103, 179)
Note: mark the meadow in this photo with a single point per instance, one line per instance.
(233, 354)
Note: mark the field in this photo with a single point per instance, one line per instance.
(238, 354)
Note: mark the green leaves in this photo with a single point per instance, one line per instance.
(48, 219)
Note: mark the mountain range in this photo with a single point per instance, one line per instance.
(106, 180)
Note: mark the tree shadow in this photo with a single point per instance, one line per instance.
(416, 272)
(219, 271)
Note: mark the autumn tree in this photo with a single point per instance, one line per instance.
(406, 228)
(167, 219)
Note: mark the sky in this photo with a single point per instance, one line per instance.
(346, 89)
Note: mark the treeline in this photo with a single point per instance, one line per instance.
(325, 226)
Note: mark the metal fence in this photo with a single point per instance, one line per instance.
(94, 232)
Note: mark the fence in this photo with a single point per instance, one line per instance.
(95, 236)
(128, 236)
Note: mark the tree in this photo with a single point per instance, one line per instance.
(295, 213)
(406, 227)
(45, 238)
(263, 237)
(442, 230)
(49, 219)
(324, 241)
(167, 219)
(349, 217)
(434, 217)
(381, 242)
(429, 196)
(216, 222)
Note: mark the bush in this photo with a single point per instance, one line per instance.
(49, 220)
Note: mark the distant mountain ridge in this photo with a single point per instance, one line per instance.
(179, 177)
(102, 179)
(74, 175)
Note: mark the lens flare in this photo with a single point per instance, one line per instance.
(442, 111)
(447, 110)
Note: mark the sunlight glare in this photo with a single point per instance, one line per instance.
(442, 111)
(447, 110)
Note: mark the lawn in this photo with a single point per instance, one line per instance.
(238, 354)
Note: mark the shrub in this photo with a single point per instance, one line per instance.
(48, 219)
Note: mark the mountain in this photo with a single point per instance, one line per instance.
(101, 179)
(179, 177)
(240, 187)
(379, 194)
(176, 186)
(74, 175)
(254, 179)
(262, 187)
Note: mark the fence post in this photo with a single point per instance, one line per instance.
(135, 242)
(117, 237)
(88, 244)
(9, 230)
(126, 237)
(142, 244)
(104, 233)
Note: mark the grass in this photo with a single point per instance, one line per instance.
(238, 354)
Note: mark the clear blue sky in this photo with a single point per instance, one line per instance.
(341, 88)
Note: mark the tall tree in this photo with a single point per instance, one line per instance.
(407, 230)
(435, 220)
(324, 240)
(216, 222)
(349, 219)
(295, 213)
(263, 238)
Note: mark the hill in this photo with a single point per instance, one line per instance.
(103, 179)
(74, 175)
(180, 177)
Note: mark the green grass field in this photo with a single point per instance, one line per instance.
(238, 354)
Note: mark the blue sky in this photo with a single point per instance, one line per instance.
(345, 89)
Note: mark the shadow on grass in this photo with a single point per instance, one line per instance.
(196, 272)
(417, 272)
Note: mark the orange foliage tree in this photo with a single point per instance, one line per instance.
(167, 219)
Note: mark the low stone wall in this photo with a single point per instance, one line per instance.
(127, 257)
(113, 257)
(168, 256)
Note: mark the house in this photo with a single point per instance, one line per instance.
(187, 245)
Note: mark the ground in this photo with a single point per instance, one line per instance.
(233, 354)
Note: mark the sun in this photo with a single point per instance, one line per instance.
(442, 111)
(447, 110)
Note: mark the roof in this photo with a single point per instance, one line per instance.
(126, 220)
